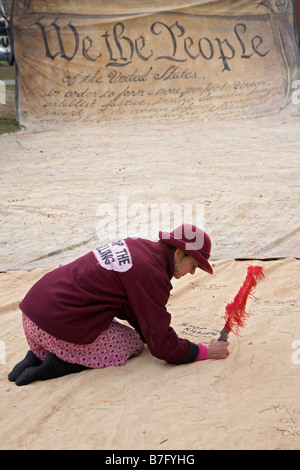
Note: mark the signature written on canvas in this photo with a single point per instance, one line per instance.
(288, 419)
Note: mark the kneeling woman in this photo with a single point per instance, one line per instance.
(69, 315)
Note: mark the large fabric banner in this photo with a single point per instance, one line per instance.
(195, 61)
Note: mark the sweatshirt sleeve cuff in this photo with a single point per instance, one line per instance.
(202, 352)
(192, 354)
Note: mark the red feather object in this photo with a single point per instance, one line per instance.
(235, 316)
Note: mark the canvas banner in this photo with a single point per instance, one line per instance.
(193, 61)
(250, 401)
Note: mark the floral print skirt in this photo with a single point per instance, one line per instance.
(111, 348)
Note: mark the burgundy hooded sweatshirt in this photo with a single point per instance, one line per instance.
(128, 279)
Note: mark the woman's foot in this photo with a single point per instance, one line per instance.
(51, 368)
(30, 360)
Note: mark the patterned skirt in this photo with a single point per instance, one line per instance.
(111, 348)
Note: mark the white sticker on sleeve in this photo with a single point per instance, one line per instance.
(114, 256)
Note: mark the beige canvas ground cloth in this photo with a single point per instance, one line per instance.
(132, 119)
(249, 401)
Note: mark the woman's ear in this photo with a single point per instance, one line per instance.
(178, 255)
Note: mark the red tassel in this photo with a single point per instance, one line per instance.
(236, 315)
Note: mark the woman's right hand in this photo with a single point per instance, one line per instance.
(217, 349)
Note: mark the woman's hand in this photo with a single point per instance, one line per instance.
(217, 349)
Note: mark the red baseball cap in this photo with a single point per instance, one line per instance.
(193, 241)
